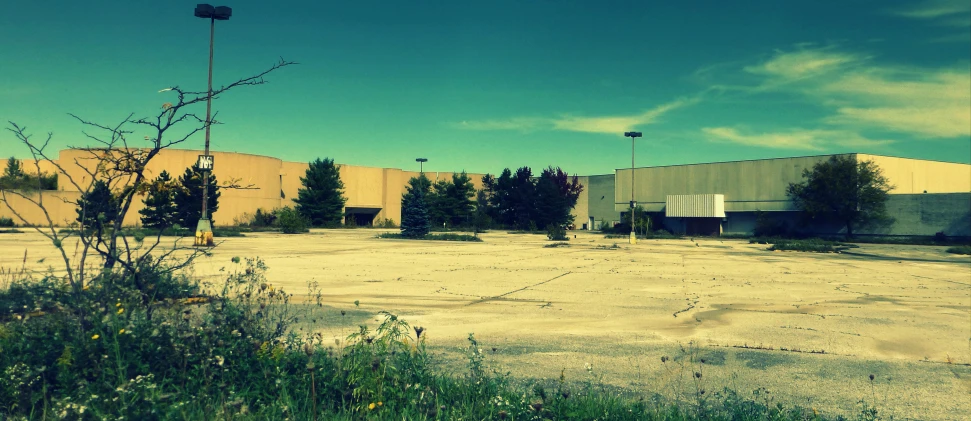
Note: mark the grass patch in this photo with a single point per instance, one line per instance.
(168, 232)
(555, 245)
(657, 235)
(432, 237)
(10, 231)
(960, 250)
(813, 245)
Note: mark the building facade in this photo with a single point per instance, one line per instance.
(702, 199)
(373, 194)
(724, 197)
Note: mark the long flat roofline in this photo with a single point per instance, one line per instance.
(791, 157)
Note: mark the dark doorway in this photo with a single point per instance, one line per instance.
(703, 226)
(360, 217)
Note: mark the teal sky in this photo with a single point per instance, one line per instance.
(485, 85)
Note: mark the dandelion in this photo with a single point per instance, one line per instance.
(95, 336)
(117, 304)
(380, 403)
(121, 310)
(371, 406)
(121, 332)
(220, 360)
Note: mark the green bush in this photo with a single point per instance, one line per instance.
(814, 245)
(291, 222)
(263, 219)
(7, 222)
(386, 223)
(960, 249)
(432, 237)
(556, 233)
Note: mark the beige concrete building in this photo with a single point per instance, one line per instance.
(372, 193)
(927, 196)
(711, 198)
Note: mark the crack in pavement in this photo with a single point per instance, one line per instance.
(517, 290)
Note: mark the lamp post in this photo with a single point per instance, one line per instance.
(203, 228)
(632, 136)
(421, 162)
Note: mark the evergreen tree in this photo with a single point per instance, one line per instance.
(13, 170)
(99, 207)
(159, 211)
(436, 201)
(187, 198)
(522, 194)
(459, 194)
(480, 218)
(414, 208)
(321, 200)
(556, 196)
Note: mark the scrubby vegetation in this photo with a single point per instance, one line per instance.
(15, 178)
(810, 245)
(238, 350)
(960, 250)
(433, 237)
(291, 221)
(556, 233)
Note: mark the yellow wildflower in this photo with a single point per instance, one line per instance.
(371, 406)
(95, 336)
(121, 310)
(121, 332)
(380, 403)
(117, 304)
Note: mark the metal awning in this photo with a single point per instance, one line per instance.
(695, 206)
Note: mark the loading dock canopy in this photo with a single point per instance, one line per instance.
(695, 206)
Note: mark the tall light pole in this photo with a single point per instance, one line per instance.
(632, 136)
(421, 162)
(203, 228)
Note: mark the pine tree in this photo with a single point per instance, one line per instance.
(414, 215)
(99, 207)
(159, 211)
(13, 169)
(414, 207)
(321, 200)
(187, 198)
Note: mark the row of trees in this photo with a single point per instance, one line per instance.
(518, 200)
(167, 202)
(15, 178)
(513, 200)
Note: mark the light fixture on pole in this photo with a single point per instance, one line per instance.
(204, 228)
(633, 203)
(421, 162)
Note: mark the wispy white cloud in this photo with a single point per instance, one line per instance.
(524, 124)
(599, 124)
(797, 139)
(932, 9)
(924, 102)
(945, 13)
(803, 64)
